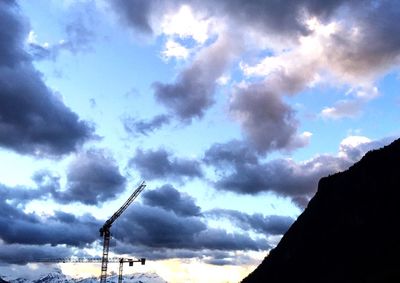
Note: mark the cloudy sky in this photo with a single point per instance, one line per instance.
(231, 111)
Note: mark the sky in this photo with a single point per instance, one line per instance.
(231, 111)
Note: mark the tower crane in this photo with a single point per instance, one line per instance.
(130, 261)
(106, 234)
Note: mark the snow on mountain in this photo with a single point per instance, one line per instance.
(53, 277)
(132, 278)
(6, 279)
(58, 277)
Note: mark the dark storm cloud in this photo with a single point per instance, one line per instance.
(170, 199)
(267, 121)
(230, 259)
(158, 228)
(375, 47)
(156, 254)
(285, 17)
(219, 239)
(266, 15)
(19, 227)
(267, 225)
(11, 35)
(137, 13)
(192, 92)
(215, 257)
(281, 176)
(159, 164)
(20, 195)
(22, 254)
(175, 225)
(93, 177)
(170, 222)
(234, 153)
(144, 127)
(33, 120)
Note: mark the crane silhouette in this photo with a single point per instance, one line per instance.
(106, 233)
(130, 261)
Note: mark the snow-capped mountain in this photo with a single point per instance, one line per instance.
(58, 277)
(54, 277)
(133, 278)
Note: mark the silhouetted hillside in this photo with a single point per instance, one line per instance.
(348, 233)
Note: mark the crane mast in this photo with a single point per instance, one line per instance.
(106, 234)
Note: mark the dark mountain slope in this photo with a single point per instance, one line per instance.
(350, 231)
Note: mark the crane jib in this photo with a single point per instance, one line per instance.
(118, 213)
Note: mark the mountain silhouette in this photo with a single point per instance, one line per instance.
(349, 231)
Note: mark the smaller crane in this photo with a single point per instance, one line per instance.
(106, 234)
(130, 261)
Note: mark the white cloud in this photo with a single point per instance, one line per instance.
(367, 92)
(342, 109)
(174, 49)
(309, 52)
(351, 107)
(315, 61)
(351, 143)
(223, 80)
(298, 67)
(32, 37)
(186, 24)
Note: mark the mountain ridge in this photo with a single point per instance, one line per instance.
(58, 277)
(347, 232)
